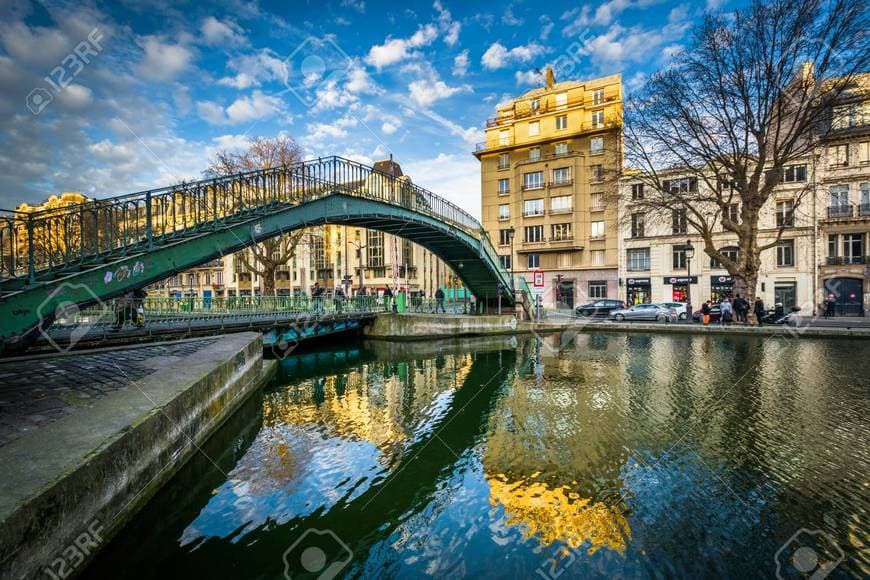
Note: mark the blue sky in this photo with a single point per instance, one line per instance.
(110, 98)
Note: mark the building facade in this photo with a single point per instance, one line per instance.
(549, 165)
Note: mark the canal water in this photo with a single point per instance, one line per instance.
(588, 455)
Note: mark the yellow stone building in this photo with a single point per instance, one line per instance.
(549, 169)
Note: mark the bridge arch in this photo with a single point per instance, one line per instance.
(94, 251)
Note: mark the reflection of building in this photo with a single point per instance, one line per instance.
(548, 167)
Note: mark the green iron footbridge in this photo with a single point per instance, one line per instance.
(80, 255)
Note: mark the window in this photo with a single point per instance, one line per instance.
(560, 232)
(734, 213)
(596, 145)
(534, 234)
(597, 119)
(785, 253)
(597, 257)
(637, 259)
(785, 214)
(596, 201)
(561, 101)
(504, 211)
(504, 161)
(504, 186)
(597, 173)
(865, 199)
(637, 225)
(851, 115)
(597, 96)
(853, 248)
(534, 153)
(597, 289)
(732, 253)
(504, 138)
(533, 207)
(562, 175)
(795, 173)
(679, 223)
(219, 278)
(534, 261)
(561, 122)
(682, 185)
(560, 149)
(864, 152)
(832, 246)
(839, 195)
(504, 237)
(536, 105)
(561, 204)
(534, 128)
(838, 155)
(533, 180)
(636, 191)
(375, 247)
(506, 262)
(597, 229)
(679, 257)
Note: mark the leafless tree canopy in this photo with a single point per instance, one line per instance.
(749, 95)
(262, 153)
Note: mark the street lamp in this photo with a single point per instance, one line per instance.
(690, 253)
(512, 231)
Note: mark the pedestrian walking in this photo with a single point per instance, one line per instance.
(726, 312)
(741, 309)
(123, 309)
(388, 298)
(317, 297)
(338, 299)
(759, 310)
(439, 300)
(829, 307)
(705, 312)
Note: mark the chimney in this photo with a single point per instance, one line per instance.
(550, 77)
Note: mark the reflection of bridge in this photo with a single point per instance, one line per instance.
(86, 253)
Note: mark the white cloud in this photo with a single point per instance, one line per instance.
(222, 33)
(163, 61)
(460, 64)
(425, 92)
(509, 19)
(604, 14)
(76, 96)
(37, 45)
(389, 127)
(498, 56)
(529, 77)
(620, 45)
(324, 138)
(397, 49)
(359, 81)
(546, 27)
(254, 69)
(449, 27)
(455, 177)
(253, 107)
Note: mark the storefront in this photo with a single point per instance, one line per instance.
(680, 287)
(721, 287)
(638, 290)
(785, 293)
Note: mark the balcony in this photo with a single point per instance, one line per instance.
(840, 211)
(561, 183)
(536, 213)
(532, 186)
(847, 260)
(561, 210)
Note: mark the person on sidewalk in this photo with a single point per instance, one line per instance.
(741, 309)
(388, 299)
(829, 307)
(726, 312)
(705, 312)
(759, 310)
(439, 300)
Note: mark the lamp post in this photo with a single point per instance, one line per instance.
(512, 231)
(690, 253)
(359, 248)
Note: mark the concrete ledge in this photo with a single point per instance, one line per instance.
(93, 470)
(426, 326)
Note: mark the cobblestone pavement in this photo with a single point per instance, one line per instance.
(38, 391)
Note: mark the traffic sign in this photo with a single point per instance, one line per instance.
(538, 279)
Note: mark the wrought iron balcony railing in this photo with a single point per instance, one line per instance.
(840, 211)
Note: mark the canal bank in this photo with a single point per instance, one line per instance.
(416, 327)
(95, 435)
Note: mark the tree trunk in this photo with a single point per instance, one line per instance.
(268, 279)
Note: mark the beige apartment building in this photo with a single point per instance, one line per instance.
(549, 165)
(823, 252)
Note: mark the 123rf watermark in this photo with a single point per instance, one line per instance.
(61, 76)
(74, 555)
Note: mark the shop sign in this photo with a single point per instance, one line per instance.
(638, 282)
(681, 280)
(721, 280)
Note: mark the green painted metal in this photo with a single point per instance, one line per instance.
(77, 256)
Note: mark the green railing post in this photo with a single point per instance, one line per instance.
(31, 260)
(149, 229)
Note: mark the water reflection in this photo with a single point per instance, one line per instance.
(601, 455)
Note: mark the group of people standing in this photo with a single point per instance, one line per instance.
(734, 310)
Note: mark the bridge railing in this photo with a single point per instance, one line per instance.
(32, 243)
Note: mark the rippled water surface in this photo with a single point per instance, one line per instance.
(601, 455)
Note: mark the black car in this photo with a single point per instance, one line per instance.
(715, 314)
(600, 308)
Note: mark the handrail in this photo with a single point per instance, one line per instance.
(32, 243)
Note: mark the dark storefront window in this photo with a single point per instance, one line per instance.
(639, 291)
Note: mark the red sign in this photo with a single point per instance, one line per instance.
(539, 279)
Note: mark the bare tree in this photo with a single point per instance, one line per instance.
(264, 258)
(749, 95)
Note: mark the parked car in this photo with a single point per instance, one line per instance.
(599, 308)
(657, 312)
(715, 314)
(680, 307)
